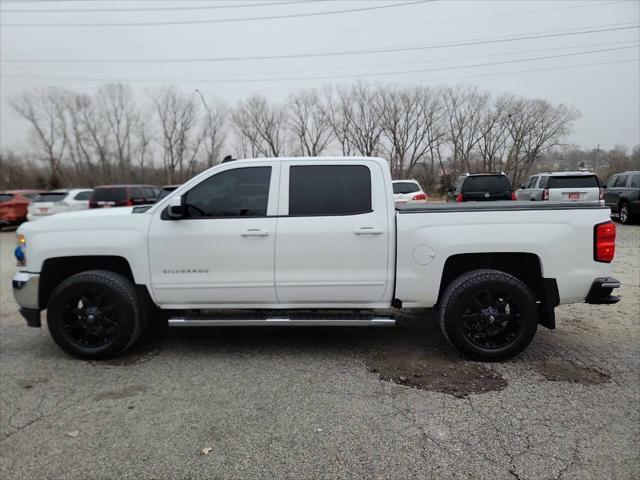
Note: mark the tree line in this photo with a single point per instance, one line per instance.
(429, 133)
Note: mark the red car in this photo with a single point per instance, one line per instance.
(14, 203)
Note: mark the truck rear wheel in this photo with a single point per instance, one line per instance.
(488, 315)
(94, 315)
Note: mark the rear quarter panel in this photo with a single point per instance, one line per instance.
(561, 239)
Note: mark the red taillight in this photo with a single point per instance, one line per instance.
(513, 195)
(420, 196)
(604, 242)
(545, 194)
(460, 198)
(129, 202)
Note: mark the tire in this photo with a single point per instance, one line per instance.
(623, 213)
(95, 315)
(506, 327)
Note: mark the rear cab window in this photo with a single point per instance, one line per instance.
(50, 197)
(486, 183)
(5, 197)
(405, 187)
(109, 194)
(574, 181)
(325, 190)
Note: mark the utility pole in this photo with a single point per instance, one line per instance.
(597, 155)
(206, 108)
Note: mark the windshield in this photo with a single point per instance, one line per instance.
(405, 187)
(487, 183)
(115, 194)
(5, 197)
(578, 181)
(165, 191)
(50, 197)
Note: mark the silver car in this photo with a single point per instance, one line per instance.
(561, 187)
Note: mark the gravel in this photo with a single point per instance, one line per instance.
(328, 403)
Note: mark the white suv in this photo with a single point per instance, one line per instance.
(408, 191)
(561, 187)
(58, 201)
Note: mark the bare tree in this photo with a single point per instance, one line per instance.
(177, 115)
(535, 126)
(44, 110)
(309, 123)
(116, 102)
(492, 135)
(362, 118)
(412, 122)
(464, 107)
(214, 131)
(262, 125)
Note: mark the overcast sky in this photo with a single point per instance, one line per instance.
(596, 72)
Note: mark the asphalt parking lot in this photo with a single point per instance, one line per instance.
(328, 403)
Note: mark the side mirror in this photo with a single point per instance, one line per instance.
(604, 186)
(523, 187)
(176, 208)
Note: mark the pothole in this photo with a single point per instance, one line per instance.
(563, 371)
(406, 360)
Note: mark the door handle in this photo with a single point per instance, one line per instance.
(255, 232)
(367, 231)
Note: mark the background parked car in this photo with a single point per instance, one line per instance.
(166, 190)
(58, 201)
(123, 195)
(481, 187)
(14, 204)
(621, 195)
(561, 186)
(408, 191)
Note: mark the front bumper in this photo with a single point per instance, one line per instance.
(25, 290)
(600, 292)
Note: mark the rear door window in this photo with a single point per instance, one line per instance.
(241, 192)
(329, 190)
(50, 197)
(612, 181)
(577, 181)
(635, 181)
(83, 195)
(486, 183)
(621, 181)
(116, 194)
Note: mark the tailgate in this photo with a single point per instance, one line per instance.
(577, 194)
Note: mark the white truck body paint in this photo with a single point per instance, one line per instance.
(350, 261)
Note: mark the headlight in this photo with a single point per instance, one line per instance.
(21, 251)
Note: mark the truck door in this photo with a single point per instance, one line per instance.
(222, 251)
(332, 243)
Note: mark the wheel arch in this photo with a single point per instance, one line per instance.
(55, 270)
(526, 267)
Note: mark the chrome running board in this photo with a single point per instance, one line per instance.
(312, 321)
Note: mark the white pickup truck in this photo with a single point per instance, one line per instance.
(310, 241)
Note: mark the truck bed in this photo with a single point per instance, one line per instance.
(453, 207)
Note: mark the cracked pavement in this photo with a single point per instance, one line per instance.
(308, 403)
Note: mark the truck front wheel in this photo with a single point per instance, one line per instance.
(488, 315)
(94, 314)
